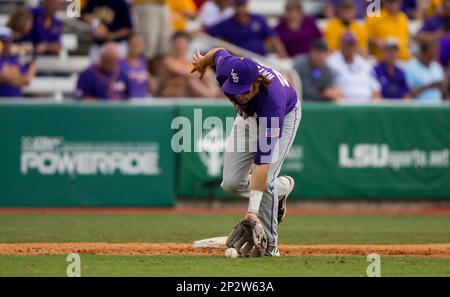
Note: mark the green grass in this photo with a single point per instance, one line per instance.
(187, 228)
(219, 266)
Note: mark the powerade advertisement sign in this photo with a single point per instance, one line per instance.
(60, 155)
(54, 155)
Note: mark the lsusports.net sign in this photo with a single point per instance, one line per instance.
(365, 155)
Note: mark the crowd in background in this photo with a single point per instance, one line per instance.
(139, 47)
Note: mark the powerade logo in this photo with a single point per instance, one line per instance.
(55, 156)
(366, 155)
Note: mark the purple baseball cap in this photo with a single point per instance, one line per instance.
(242, 74)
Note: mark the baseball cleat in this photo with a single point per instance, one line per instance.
(272, 251)
(282, 201)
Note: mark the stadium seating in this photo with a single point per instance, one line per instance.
(67, 65)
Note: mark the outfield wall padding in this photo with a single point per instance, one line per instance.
(72, 154)
(346, 151)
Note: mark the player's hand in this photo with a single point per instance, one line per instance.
(251, 216)
(248, 237)
(198, 63)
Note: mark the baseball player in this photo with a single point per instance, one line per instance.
(269, 114)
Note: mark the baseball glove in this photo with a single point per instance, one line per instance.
(248, 238)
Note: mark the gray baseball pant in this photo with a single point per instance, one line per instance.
(239, 158)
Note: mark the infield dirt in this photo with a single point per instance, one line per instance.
(438, 250)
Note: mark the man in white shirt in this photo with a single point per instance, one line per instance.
(425, 75)
(354, 75)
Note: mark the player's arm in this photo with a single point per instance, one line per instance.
(201, 63)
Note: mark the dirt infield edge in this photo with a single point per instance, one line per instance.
(439, 250)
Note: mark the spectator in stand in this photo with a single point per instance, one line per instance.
(249, 31)
(13, 75)
(333, 6)
(22, 48)
(177, 80)
(354, 75)
(110, 20)
(141, 85)
(425, 75)
(430, 7)
(345, 21)
(297, 31)
(47, 29)
(20, 21)
(215, 11)
(392, 23)
(104, 80)
(437, 29)
(391, 78)
(154, 23)
(412, 9)
(317, 77)
(444, 55)
(437, 26)
(181, 12)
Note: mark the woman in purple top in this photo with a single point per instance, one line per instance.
(268, 118)
(13, 75)
(21, 23)
(436, 26)
(297, 31)
(135, 68)
(47, 29)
